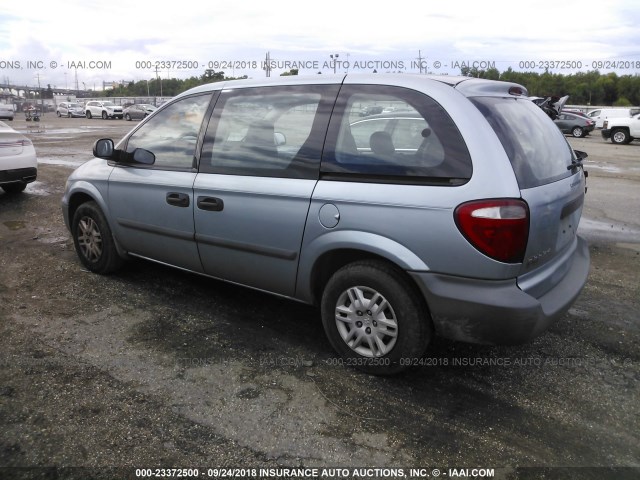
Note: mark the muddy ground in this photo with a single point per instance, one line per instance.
(153, 367)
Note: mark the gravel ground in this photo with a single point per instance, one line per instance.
(156, 368)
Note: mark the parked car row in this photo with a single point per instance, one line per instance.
(621, 125)
(103, 109)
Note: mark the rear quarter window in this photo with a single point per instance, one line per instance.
(412, 140)
(538, 151)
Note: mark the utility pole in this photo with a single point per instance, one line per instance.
(159, 80)
(267, 64)
(40, 93)
(420, 58)
(334, 58)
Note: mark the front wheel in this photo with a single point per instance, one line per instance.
(375, 318)
(620, 137)
(88, 114)
(577, 132)
(127, 117)
(104, 115)
(93, 240)
(59, 114)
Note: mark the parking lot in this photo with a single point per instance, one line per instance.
(153, 367)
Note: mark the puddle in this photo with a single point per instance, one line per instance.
(14, 224)
(604, 168)
(48, 130)
(61, 161)
(608, 230)
(51, 239)
(37, 188)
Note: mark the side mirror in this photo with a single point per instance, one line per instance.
(140, 155)
(103, 148)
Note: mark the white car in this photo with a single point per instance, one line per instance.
(104, 109)
(6, 111)
(602, 114)
(70, 109)
(18, 162)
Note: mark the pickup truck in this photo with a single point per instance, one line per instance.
(621, 130)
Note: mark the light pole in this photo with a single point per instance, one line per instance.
(334, 57)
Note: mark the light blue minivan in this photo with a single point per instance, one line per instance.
(452, 212)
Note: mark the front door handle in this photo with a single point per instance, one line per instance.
(212, 204)
(178, 199)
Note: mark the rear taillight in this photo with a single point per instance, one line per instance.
(497, 228)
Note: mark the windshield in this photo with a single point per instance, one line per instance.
(537, 149)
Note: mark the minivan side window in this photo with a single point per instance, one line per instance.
(171, 134)
(268, 131)
(413, 139)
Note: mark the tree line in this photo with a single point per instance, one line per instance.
(583, 88)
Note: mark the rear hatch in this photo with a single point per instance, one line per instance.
(550, 182)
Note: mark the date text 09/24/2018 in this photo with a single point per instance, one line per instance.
(422, 64)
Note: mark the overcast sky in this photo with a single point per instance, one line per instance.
(106, 40)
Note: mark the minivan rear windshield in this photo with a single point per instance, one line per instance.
(537, 149)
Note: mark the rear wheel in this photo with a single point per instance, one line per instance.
(374, 317)
(577, 132)
(620, 136)
(127, 117)
(93, 239)
(59, 114)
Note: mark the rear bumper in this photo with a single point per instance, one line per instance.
(499, 312)
(18, 175)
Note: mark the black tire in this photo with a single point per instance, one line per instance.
(88, 114)
(104, 115)
(68, 115)
(93, 240)
(577, 132)
(620, 136)
(14, 187)
(59, 114)
(397, 302)
(127, 117)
